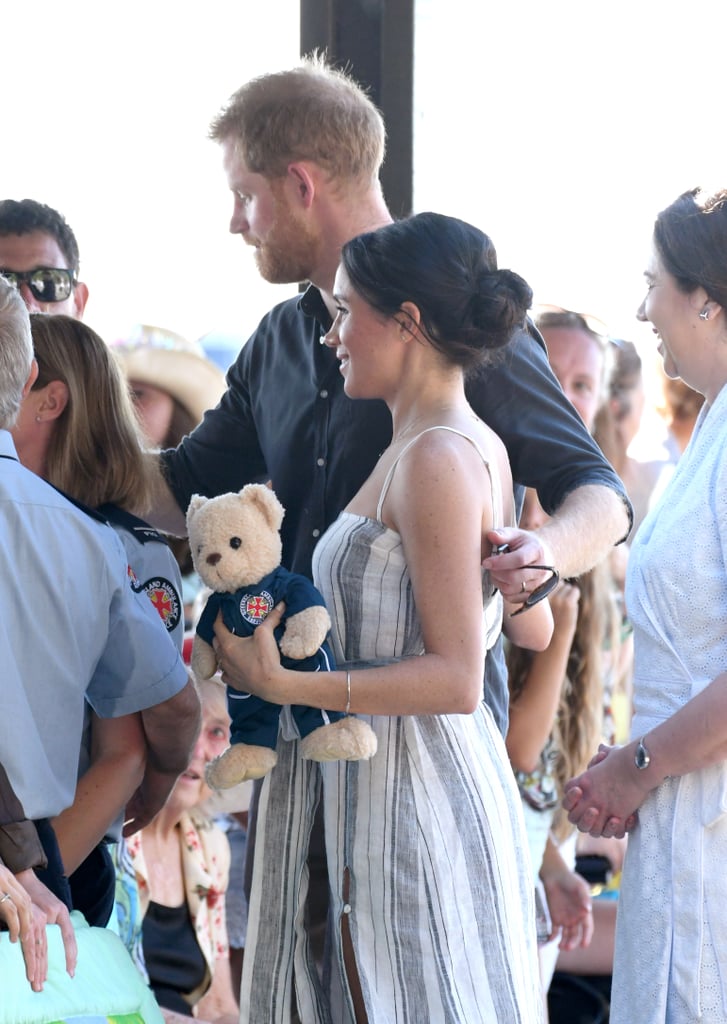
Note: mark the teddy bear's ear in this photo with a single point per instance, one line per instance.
(196, 503)
(266, 502)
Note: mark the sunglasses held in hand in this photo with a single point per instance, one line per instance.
(541, 592)
(47, 284)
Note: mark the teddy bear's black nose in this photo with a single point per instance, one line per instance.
(214, 558)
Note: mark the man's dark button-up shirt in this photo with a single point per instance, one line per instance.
(285, 418)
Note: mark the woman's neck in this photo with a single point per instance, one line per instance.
(33, 456)
(427, 407)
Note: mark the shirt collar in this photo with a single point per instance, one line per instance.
(7, 445)
(311, 304)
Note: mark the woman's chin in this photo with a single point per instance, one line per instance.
(190, 790)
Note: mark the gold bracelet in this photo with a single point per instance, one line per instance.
(348, 693)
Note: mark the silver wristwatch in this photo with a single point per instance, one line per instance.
(642, 757)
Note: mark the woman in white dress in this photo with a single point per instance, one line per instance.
(431, 895)
(671, 937)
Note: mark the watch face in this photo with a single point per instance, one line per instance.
(642, 756)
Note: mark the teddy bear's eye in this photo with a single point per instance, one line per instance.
(235, 542)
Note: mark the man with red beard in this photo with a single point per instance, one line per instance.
(301, 152)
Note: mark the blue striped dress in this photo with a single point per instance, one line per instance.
(440, 902)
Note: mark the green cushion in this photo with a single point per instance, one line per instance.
(107, 987)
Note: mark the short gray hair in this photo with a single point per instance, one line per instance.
(16, 352)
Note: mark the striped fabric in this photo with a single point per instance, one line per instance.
(430, 830)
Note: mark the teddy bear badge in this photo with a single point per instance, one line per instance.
(236, 550)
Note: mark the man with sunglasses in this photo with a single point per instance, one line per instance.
(39, 257)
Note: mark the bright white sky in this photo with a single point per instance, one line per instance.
(106, 108)
(558, 126)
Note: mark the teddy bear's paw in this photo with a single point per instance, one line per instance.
(239, 762)
(204, 659)
(305, 632)
(297, 648)
(348, 739)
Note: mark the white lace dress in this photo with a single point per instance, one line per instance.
(671, 942)
(430, 829)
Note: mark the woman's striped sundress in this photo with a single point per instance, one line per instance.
(440, 904)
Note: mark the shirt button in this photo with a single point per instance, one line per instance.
(320, 462)
(316, 533)
(324, 393)
(347, 908)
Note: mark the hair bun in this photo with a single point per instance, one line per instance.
(500, 301)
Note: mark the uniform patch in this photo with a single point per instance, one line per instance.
(165, 599)
(254, 608)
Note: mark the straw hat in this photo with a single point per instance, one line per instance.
(165, 360)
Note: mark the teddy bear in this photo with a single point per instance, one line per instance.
(236, 549)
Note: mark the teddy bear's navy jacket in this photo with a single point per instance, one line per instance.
(255, 720)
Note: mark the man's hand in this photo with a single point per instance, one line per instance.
(510, 571)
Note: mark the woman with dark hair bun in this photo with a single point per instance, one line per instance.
(448, 269)
(429, 886)
(668, 786)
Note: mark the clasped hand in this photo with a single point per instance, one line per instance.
(604, 799)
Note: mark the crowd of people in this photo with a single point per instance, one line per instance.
(544, 683)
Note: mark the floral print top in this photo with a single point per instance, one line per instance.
(205, 871)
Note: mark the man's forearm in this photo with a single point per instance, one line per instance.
(171, 729)
(589, 522)
(20, 847)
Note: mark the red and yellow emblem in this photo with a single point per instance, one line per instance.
(165, 599)
(254, 608)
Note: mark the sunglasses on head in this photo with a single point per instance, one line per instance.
(47, 284)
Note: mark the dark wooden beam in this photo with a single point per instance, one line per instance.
(374, 41)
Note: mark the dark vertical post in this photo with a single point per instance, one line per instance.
(374, 40)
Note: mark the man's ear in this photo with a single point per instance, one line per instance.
(80, 298)
(54, 401)
(303, 183)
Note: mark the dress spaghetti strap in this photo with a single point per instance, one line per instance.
(494, 480)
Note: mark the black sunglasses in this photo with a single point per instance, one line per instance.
(47, 284)
(540, 592)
